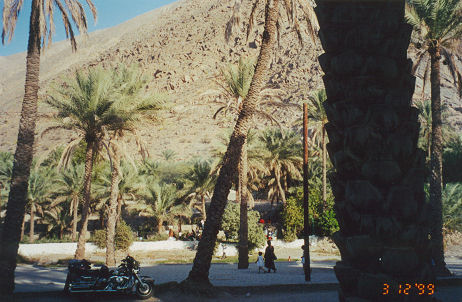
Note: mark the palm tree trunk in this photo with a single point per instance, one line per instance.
(119, 208)
(22, 157)
(204, 212)
(200, 270)
(280, 188)
(436, 162)
(159, 225)
(23, 226)
(31, 223)
(75, 204)
(243, 219)
(89, 156)
(112, 209)
(324, 168)
(378, 182)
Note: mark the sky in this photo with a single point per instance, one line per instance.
(110, 13)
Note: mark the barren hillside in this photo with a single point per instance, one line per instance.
(182, 48)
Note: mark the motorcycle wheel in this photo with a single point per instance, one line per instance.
(144, 290)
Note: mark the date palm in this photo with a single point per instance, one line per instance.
(134, 108)
(69, 192)
(161, 201)
(438, 24)
(373, 132)
(201, 182)
(282, 155)
(229, 171)
(41, 29)
(41, 182)
(87, 106)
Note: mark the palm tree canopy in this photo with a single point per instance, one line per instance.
(438, 20)
(437, 23)
(69, 9)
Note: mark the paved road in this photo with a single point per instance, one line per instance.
(445, 294)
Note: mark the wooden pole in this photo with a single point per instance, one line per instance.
(306, 214)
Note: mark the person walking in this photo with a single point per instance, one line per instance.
(260, 263)
(270, 257)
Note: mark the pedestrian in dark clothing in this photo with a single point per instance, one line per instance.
(270, 257)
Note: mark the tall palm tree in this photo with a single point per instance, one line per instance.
(69, 191)
(134, 107)
(228, 172)
(41, 28)
(373, 131)
(201, 182)
(87, 106)
(318, 114)
(439, 25)
(282, 156)
(236, 84)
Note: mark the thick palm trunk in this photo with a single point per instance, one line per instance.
(373, 132)
(22, 157)
(324, 168)
(243, 219)
(159, 226)
(89, 156)
(112, 209)
(32, 223)
(228, 172)
(119, 208)
(75, 210)
(436, 162)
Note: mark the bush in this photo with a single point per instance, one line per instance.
(123, 238)
(230, 225)
(323, 221)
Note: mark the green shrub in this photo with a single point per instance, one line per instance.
(158, 237)
(99, 238)
(322, 220)
(123, 238)
(230, 225)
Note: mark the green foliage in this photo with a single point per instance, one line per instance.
(123, 238)
(322, 220)
(99, 238)
(452, 205)
(230, 225)
(292, 217)
(452, 160)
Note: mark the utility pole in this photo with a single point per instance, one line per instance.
(306, 214)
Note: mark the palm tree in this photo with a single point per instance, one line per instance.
(318, 114)
(282, 155)
(161, 203)
(228, 172)
(134, 107)
(41, 28)
(201, 182)
(40, 188)
(86, 105)
(439, 25)
(373, 131)
(69, 191)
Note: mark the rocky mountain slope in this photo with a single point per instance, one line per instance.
(182, 48)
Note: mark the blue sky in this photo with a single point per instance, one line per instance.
(110, 13)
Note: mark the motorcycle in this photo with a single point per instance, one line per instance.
(81, 278)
